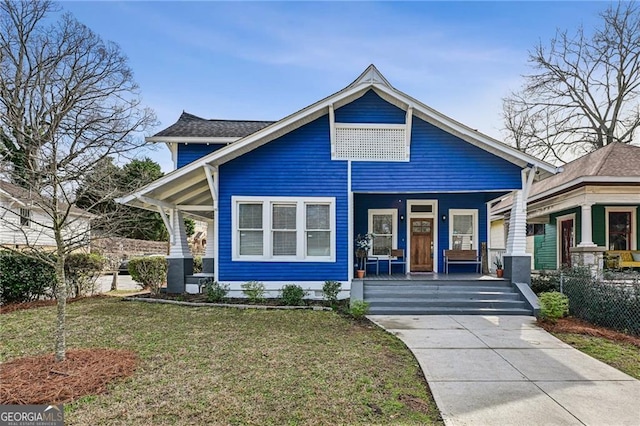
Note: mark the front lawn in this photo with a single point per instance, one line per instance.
(228, 366)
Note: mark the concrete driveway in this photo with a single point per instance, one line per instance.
(504, 370)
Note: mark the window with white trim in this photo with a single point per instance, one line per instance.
(384, 231)
(620, 228)
(283, 229)
(250, 232)
(463, 229)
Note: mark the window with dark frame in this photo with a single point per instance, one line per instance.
(535, 229)
(25, 217)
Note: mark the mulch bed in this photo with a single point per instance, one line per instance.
(575, 325)
(42, 380)
(12, 307)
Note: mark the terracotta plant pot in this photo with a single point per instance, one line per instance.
(360, 273)
(499, 273)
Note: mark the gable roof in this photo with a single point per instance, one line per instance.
(192, 126)
(174, 186)
(24, 196)
(615, 163)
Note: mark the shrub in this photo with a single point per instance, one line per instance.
(358, 309)
(213, 290)
(330, 291)
(24, 279)
(545, 282)
(197, 264)
(292, 295)
(82, 271)
(553, 306)
(254, 290)
(149, 272)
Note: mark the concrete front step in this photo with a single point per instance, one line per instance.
(469, 297)
(447, 311)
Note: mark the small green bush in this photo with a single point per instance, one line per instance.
(82, 271)
(292, 295)
(149, 272)
(358, 309)
(553, 306)
(213, 290)
(254, 290)
(197, 264)
(24, 279)
(330, 291)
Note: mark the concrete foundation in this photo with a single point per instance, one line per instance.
(517, 269)
(357, 290)
(178, 269)
(590, 257)
(207, 265)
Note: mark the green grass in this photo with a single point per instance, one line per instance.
(623, 356)
(227, 366)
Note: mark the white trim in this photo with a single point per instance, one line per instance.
(394, 227)
(433, 215)
(370, 126)
(350, 243)
(332, 130)
(267, 240)
(475, 245)
(407, 134)
(559, 220)
(621, 209)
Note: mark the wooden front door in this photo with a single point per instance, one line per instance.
(566, 242)
(421, 245)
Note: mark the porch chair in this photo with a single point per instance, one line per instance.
(372, 260)
(399, 260)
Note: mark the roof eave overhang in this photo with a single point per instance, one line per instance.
(192, 139)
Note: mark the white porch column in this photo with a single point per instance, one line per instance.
(209, 252)
(517, 236)
(586, 239)
(180, 258)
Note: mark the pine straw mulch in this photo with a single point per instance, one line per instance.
(12, 307)
(577, 326)
(41, 380)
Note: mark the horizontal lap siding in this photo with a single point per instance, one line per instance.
(193, 151)
(364, 202)
(370, 108)
(295, 165)
(439, 162)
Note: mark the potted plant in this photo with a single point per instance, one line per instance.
(363, 244)
(499, 270)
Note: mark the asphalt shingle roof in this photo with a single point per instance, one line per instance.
(189, 125)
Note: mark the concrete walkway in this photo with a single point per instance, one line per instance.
(504, 370)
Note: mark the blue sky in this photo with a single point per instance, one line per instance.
(266, 60)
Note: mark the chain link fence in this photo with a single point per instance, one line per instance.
(612, 300)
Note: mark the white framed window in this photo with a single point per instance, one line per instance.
(283, 229)
(383, 227)
(463, 229)
(25, 217)
(620, 228)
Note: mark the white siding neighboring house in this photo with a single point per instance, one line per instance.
(23, 222)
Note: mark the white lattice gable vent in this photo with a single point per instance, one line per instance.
(370, 142)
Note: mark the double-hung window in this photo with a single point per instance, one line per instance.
(620, 229)
(25, 217)
(283, 229)
(383, 229)
(463, 229)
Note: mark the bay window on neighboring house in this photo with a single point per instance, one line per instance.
(463, 229)
(620, 228)
(283, 229)
(383, 230)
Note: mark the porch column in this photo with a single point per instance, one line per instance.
(586, 239)
(180, 258)
(207, 259)
(517, 263)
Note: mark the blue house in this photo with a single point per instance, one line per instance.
(285, 200)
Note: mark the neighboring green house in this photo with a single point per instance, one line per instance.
(594, 201)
